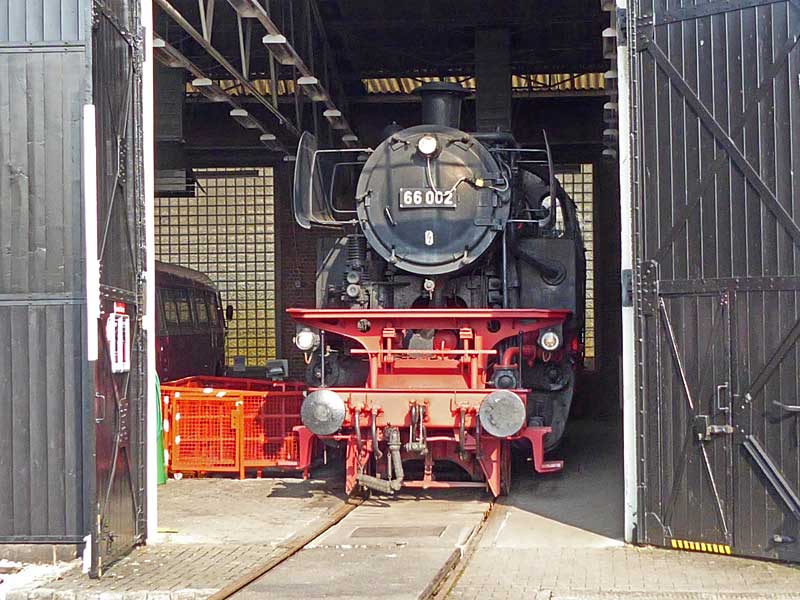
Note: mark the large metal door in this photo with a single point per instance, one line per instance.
(120, 367)
(715, 102)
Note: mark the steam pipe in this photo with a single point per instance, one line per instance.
(551, 270)
(462, 432)
(375, 448)
(388, 486)
(508, 356)
(513, 352)
(357, 427)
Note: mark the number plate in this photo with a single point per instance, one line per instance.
(426, 198)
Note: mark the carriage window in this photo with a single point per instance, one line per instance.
(200, 307)
(170, 310)
(162, 325)
(184, 308)
(213, 308)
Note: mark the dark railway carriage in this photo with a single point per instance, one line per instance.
(450, 309)
(189, 322)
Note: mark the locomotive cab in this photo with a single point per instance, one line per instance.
(450, 303)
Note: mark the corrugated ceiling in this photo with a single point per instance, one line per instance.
(547, 82)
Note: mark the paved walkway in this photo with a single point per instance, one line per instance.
(554, 538)
(213, 530)
(560, 538)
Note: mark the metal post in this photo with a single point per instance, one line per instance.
(505, 267)
(628, 364)
(322, 357)
(273, 77)
(148, 143)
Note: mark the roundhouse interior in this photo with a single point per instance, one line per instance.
(225, 146)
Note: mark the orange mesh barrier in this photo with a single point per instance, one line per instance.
(204, 432)
(219, 429)
(237, 383)
(268, 429)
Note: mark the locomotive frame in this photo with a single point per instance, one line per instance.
(417, 371)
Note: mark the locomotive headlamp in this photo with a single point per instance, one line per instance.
(427, 145)
(549, 340)
(502, 413)
(306, 340)
(323, 412)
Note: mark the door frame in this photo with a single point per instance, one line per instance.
(628, 371)
(140, 176)
(149, 321)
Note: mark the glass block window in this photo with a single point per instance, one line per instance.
(227, 231)
(578, 181)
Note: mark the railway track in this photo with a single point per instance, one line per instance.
(290, 548)
(435, 586)
(442, 588)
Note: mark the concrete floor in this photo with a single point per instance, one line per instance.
(250, 511)
(581, 507)
(387, 548)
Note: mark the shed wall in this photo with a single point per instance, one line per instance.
(35, 21)
(43, 63)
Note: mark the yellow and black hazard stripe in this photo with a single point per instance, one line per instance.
(701, 547)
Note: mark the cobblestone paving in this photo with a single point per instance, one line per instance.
(627, 573)
(212, 532)
(560, 538)
(158, 572)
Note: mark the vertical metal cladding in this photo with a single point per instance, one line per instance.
(717, 203)
(43, 20)
(40, 186)
(40, 428)
(42, 70)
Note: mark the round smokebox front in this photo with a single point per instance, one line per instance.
(424, 201)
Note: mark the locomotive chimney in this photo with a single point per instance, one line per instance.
(441, 104)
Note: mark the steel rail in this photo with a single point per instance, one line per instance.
(292, 547)
(216, 55)
(448, 576)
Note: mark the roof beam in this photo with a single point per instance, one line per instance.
(318, 92)
(216, 55)
(170, 56)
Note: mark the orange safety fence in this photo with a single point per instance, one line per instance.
(237, 383)
(220, 429)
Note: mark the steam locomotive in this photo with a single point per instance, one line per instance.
(449, 303)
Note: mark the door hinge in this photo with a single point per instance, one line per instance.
(648, 286)
(627, 287)
(645, 31)
(622, 26)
